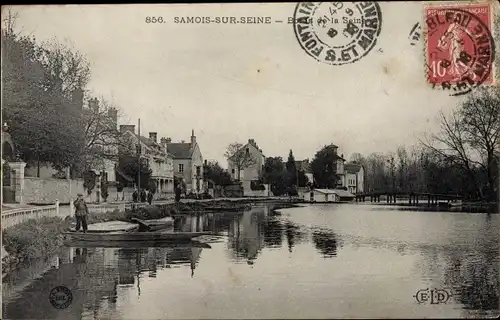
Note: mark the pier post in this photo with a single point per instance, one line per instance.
(416, 198)
(409, 199)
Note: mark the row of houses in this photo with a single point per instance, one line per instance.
(351, 174)
(165, 158)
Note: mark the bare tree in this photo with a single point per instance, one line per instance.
(240, 157)
(470, 137)
(102, 138)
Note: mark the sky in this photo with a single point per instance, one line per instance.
(233, 82)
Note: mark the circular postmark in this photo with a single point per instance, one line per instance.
(60, 297)
(337, 33)
(460, 49)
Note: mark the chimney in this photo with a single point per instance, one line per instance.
(113, 115)
(153, 136)
(94, 104)
(127, 127)
(169, 140)
(206, 162)
(163, 143)
(193, 138)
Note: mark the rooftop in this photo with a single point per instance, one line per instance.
(180, 150)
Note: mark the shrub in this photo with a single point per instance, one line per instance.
(35, 238)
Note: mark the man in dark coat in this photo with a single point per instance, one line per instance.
(81, 212)
(135, 196)
(143, 195)
(178, 191)
(150, 197)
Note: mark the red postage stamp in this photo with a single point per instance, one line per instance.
(459, 46)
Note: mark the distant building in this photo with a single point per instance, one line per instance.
(305, 167)
(354, 177)
(188, 163)
(252, 172)
(156, 156)
(326, 195)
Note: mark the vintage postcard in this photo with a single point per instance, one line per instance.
(301, 160)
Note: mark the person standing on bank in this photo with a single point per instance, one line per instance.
(150, 197)
(81, 212)
(178, 194)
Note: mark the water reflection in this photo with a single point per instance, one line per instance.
(326, 243)
(454, 251)
(94, 275)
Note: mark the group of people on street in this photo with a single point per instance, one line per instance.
(143, 196)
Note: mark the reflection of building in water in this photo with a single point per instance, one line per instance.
(88, 277)
(192, 223)
(93, 276)
(246, 238)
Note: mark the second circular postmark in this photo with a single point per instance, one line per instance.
(60, 297)
(337, 33)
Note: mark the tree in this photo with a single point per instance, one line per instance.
(216, 174)
(324, 167)
(302, 179)
(291, 168)
(102, 138)
(129, 165)
(240, 157)
(275, 175)
(470, 137)
(41, 114)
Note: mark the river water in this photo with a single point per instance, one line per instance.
(315, 261)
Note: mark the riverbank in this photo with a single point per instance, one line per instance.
(36, 239)
(471, 207)
(32, 239)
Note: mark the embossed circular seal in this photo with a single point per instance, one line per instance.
(60, 297)
(459, 48)
(337, 33)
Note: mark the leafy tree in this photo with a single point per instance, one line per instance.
(129, 165)
(275, 175)
(216, 174)
(291, 168)
(43, 120)
(324, 167)
(302, 179)
(240, 157)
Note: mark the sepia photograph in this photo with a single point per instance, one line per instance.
(307, 160)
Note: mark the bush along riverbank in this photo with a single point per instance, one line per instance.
(32, 239)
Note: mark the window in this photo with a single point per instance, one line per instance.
(248, 150)
(181, 167)
(198, 171)
(232, 171)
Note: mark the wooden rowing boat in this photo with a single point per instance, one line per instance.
(154, 225)
(138, 244)
(134, 236)
(111, 226)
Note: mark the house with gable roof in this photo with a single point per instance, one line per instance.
(188, 163)
(354, 177)
(252, 172)
(159, 160)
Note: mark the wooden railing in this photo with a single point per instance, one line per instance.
(16, 216)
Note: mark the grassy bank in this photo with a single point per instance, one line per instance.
(31, 240)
